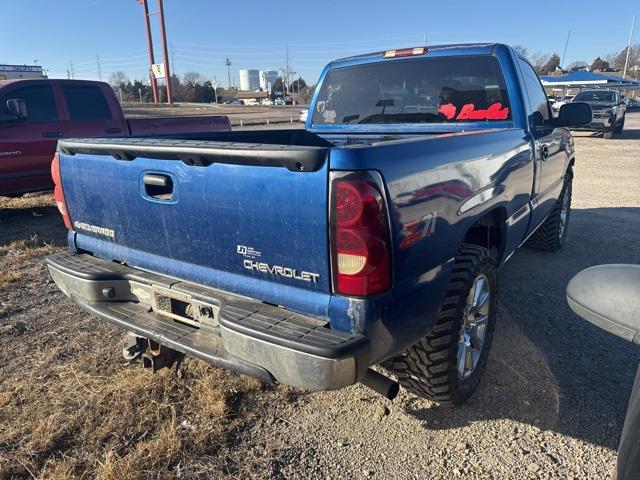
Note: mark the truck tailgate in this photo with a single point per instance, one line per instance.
(246, 218)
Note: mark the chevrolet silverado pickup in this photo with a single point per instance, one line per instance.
(35, 114)
(609, 111)
(307, 257)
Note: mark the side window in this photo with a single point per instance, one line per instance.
(537, 96)
(40, 101)
(86, 103)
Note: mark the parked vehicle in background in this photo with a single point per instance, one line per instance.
(267, 101)
(237, 101)
(252, 102)
(372, 237)
(35, 114)
(633, 104)
(608, 111)
(304, 114)
(278, 101)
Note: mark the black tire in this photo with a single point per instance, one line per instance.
(429, 368)
(552, 234)
(620, 126)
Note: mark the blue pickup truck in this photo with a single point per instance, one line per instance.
(306, 257)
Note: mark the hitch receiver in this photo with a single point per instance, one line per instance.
(158, 357)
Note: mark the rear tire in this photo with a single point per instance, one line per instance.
(552, 234)
(446, 366)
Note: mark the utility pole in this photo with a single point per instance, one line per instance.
(165, 52)
(284, 92)
(626, 62)
(73, 75)
(99, 70)
(152, 78)
(227, 62)
(565, 49)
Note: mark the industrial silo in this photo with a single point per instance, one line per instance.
(249, 79)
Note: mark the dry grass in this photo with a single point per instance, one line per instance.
(67, 418)
(71, 408)
(28, 201)
(15, 256)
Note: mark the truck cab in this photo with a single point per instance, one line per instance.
(36, 113)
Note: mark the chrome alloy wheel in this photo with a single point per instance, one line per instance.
(564, 212)
(474, 326)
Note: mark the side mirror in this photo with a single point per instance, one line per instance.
(609, 297)
(574, 114)
(17, 107)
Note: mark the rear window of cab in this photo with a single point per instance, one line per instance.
(417, 90)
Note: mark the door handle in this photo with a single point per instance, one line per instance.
(113, 130)
(544, 151)
(53, 135)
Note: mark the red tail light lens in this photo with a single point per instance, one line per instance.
(360, 243)
(57, 191)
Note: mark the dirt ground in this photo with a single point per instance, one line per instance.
(551, 404)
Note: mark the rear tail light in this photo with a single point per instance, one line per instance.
(360, 240)
(58, 193)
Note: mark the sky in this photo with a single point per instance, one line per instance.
(72, 35)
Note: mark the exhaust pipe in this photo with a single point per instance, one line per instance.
(381, 384)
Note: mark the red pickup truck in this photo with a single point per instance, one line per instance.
(35, 114)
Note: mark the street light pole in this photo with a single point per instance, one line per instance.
(165, 52)
(626, 62)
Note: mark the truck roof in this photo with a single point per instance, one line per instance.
(50, 81)
(449, 50)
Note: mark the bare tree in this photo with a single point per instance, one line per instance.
(523, 51)
(619, 61)
(539, 59)
(118, 79)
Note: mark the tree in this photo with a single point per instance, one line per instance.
(577, 65)
(538, 60)
(551, 64)
(118, 79)
(523, 51)
(620, 59)
(599, 64)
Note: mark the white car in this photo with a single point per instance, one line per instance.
(267, 101)
(252, 102)
(303, 115)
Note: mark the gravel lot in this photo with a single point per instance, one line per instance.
(551, 404)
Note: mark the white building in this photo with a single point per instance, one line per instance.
(267, 79)
(11, 72)
(249, 80)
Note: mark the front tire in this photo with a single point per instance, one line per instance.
(446, 366)
(552, 234)
(620, 126)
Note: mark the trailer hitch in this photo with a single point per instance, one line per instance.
(154, 356)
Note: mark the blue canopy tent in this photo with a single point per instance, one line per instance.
(589, 80)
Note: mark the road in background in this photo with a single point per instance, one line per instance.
(238, 114)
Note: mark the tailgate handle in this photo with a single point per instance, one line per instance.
(157, 186)
(156, 180)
